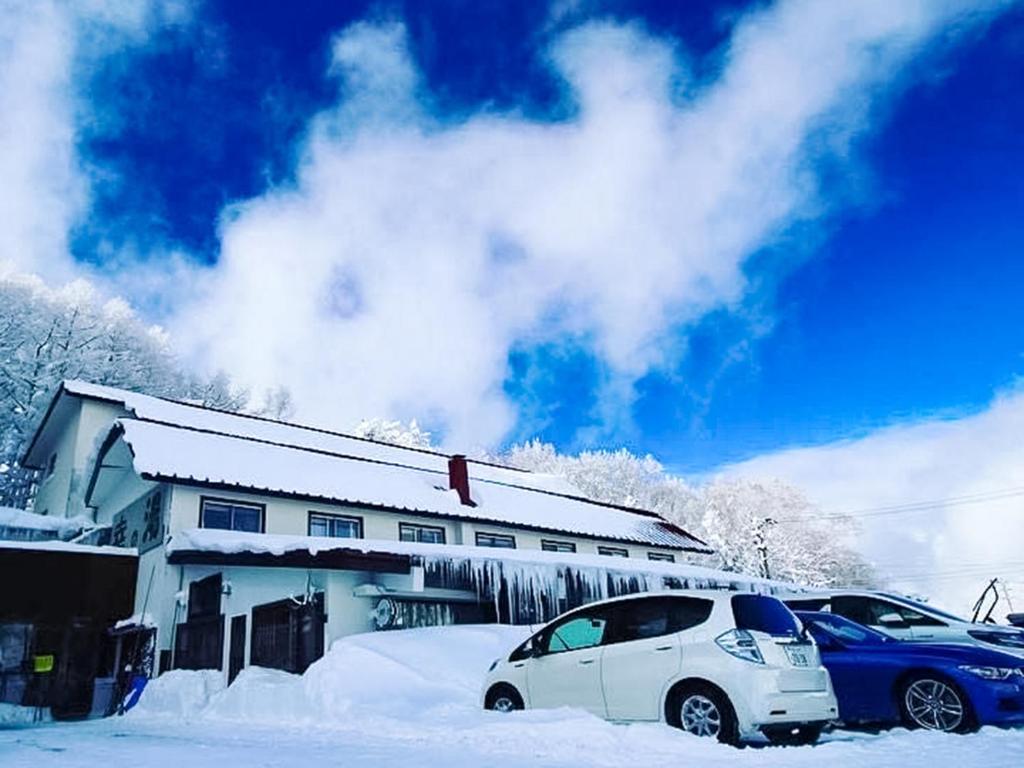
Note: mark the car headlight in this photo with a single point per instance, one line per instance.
(1005, 639)
(493, 665)
(992, 673)
(741, 644)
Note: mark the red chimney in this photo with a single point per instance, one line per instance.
(458, 478)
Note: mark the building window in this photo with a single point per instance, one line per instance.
(227, 515)
(668, 558)
(425, 534)
(335, 526)
(499, 540)
(613, 551)
(550, 545)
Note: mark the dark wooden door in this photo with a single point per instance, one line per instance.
(236, 654)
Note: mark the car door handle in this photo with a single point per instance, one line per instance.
(663, 648)
(586, 661)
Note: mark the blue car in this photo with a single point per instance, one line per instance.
(943, 687)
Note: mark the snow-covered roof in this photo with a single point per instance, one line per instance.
(196, 416)
(67, 546)
(228, 543)
(165, 452)
(11, 517)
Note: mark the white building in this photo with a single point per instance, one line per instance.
(260, 541)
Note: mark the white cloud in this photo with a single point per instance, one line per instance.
(47, 49)
(413, 253)
(947, 550)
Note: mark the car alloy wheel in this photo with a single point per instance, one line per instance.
(504, 704)
(934, 705)
(699, 715)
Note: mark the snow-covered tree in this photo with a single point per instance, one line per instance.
(771, 528)
(617, 477)
(395, 432)
(277, 404)
(752, 526)
(47, 335)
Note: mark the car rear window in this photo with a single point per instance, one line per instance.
(761, 613)
(646, 617)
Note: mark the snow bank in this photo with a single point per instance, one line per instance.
(409, 674)
(180, 693)
(12, 715)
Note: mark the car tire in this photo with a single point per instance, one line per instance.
(704, 710)
(794, 736)
(503, 698)
(934, 703)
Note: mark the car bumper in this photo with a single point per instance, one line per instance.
(763, 703)
(998, 703)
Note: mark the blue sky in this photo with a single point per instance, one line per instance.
(890, 294)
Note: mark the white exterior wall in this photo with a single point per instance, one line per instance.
(250, 587)
(290, 516)
(75, 439)
(51, 497)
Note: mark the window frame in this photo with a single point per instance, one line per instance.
(495, 536)
(612, 551)
(661, 557)
(330, 516)
(234, 503)
(422, 526)
(556, 545)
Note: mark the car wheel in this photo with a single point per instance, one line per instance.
(503, 698)
(935, 704)
(705, 711)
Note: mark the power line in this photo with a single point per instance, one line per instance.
(909, 507)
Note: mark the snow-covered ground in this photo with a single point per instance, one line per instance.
(410, 698)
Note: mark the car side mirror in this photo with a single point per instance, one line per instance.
(892, 621)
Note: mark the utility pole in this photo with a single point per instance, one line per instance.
(761, 543)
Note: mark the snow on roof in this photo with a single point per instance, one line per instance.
(199, 417)
(238, 542)
(11, 517)
(67, 546)
(164, 452)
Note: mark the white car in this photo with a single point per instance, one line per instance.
(907, 619)
(736, 667)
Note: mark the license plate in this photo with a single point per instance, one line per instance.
(798, 656)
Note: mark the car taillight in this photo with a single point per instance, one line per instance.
(741, 644)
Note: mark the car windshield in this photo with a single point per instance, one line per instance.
(848, 632)
(924, 607)
(763, 614)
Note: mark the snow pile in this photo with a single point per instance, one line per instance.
(12, 715)
(180, 693)
(408, 674)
